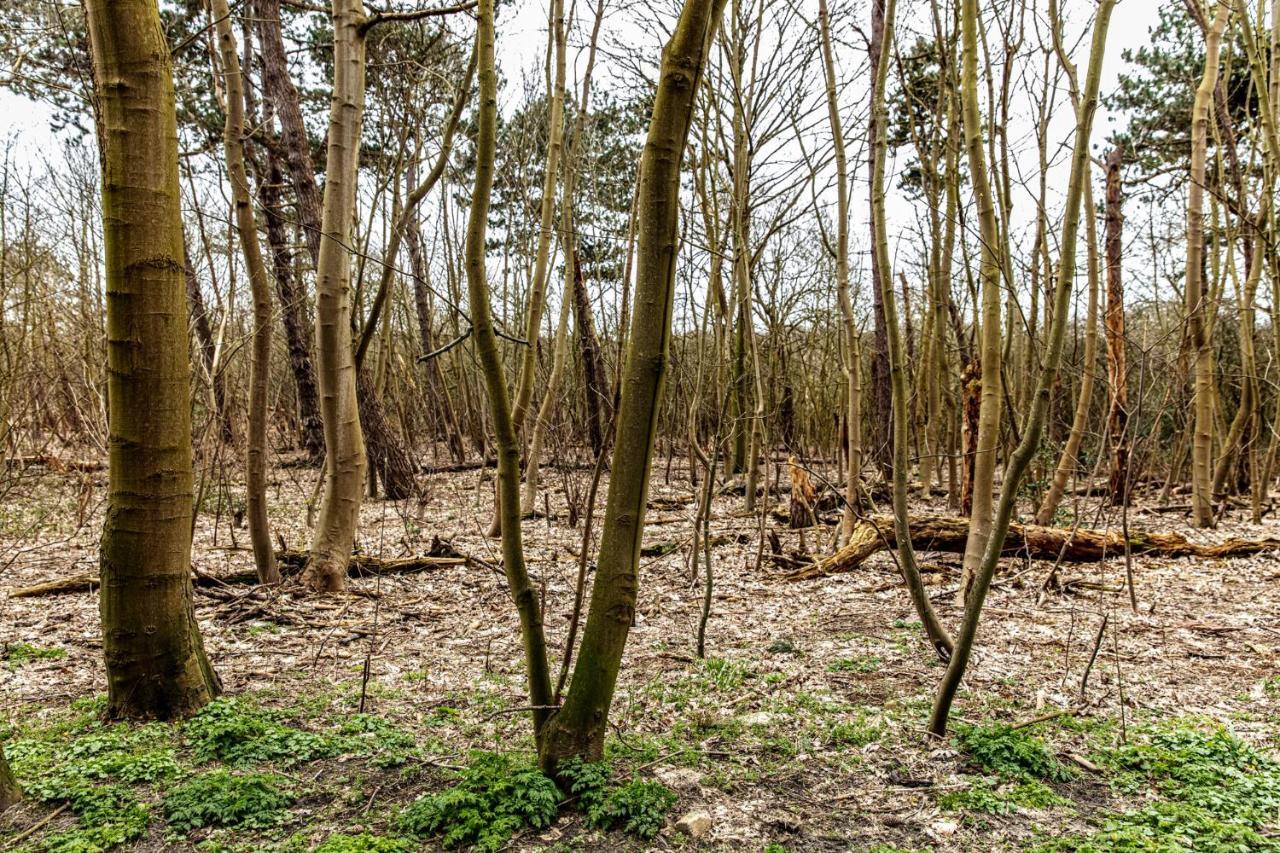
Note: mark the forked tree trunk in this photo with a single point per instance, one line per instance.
(579, 727)
(260, 363)
(155, 660)
(1033, 429)
(334, 535)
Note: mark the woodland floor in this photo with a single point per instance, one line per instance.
(803, 728)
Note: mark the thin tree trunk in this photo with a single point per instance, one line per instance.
(933, 627)
(208, 351)
(1197, 322)
(983, 467)
(486, 345)
(851, 353)
(10, 793)
(293, 304)
(1068, 462)
(345, 463)
(260, 363)
(1117, 372)
(155, 660)
(579, 727)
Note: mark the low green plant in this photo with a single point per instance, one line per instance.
(235, 732)
(495, 796)
(386, 744)
(726, 674)
(364, 843)
(222, 798)
(1011, 752)
(638, 807)
(988, 796)
(1217, 794)
(859, 663)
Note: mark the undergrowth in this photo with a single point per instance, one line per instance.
(221, 798)
(1216, 794)
(1011, 752)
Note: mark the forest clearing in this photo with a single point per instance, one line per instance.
(696, 425)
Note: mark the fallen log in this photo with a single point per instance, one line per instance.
(442, 555)
(948, 534)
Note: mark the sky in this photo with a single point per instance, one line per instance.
(522, 42)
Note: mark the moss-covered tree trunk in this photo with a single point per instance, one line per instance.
(579, 727)
(522, 591)
(156, 665)
(10, 793)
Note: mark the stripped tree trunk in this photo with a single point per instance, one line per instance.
(1117, 374)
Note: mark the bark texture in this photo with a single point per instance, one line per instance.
(156, 665)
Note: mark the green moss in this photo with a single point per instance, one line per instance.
(17, 654)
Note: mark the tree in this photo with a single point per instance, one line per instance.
(1033, 427)
(156, 665)
(1197, 323)
(242, 200)
(578, 728)
(10, 793)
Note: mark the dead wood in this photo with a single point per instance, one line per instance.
(948, 534)
(441, 555)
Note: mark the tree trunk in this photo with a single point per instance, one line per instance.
(1070, 458)
(1197, 323)
(881, 393)
(521, 588)
(260, 363)
(437, 388)
(155, 660)
(579, 727)
(898, 369)
(345, 462)
(1117, 373)
(987, 435)
(944, 534)
(10, 793)
(293, 304)
(1033, 429)
(599, 398)
(208, 351)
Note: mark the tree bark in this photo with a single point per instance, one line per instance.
(898, 369)
(155, 660)
(522, 591)
(947, 534)
(1033, 429)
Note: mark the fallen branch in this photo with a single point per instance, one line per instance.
(442, 555)
(948, 534)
